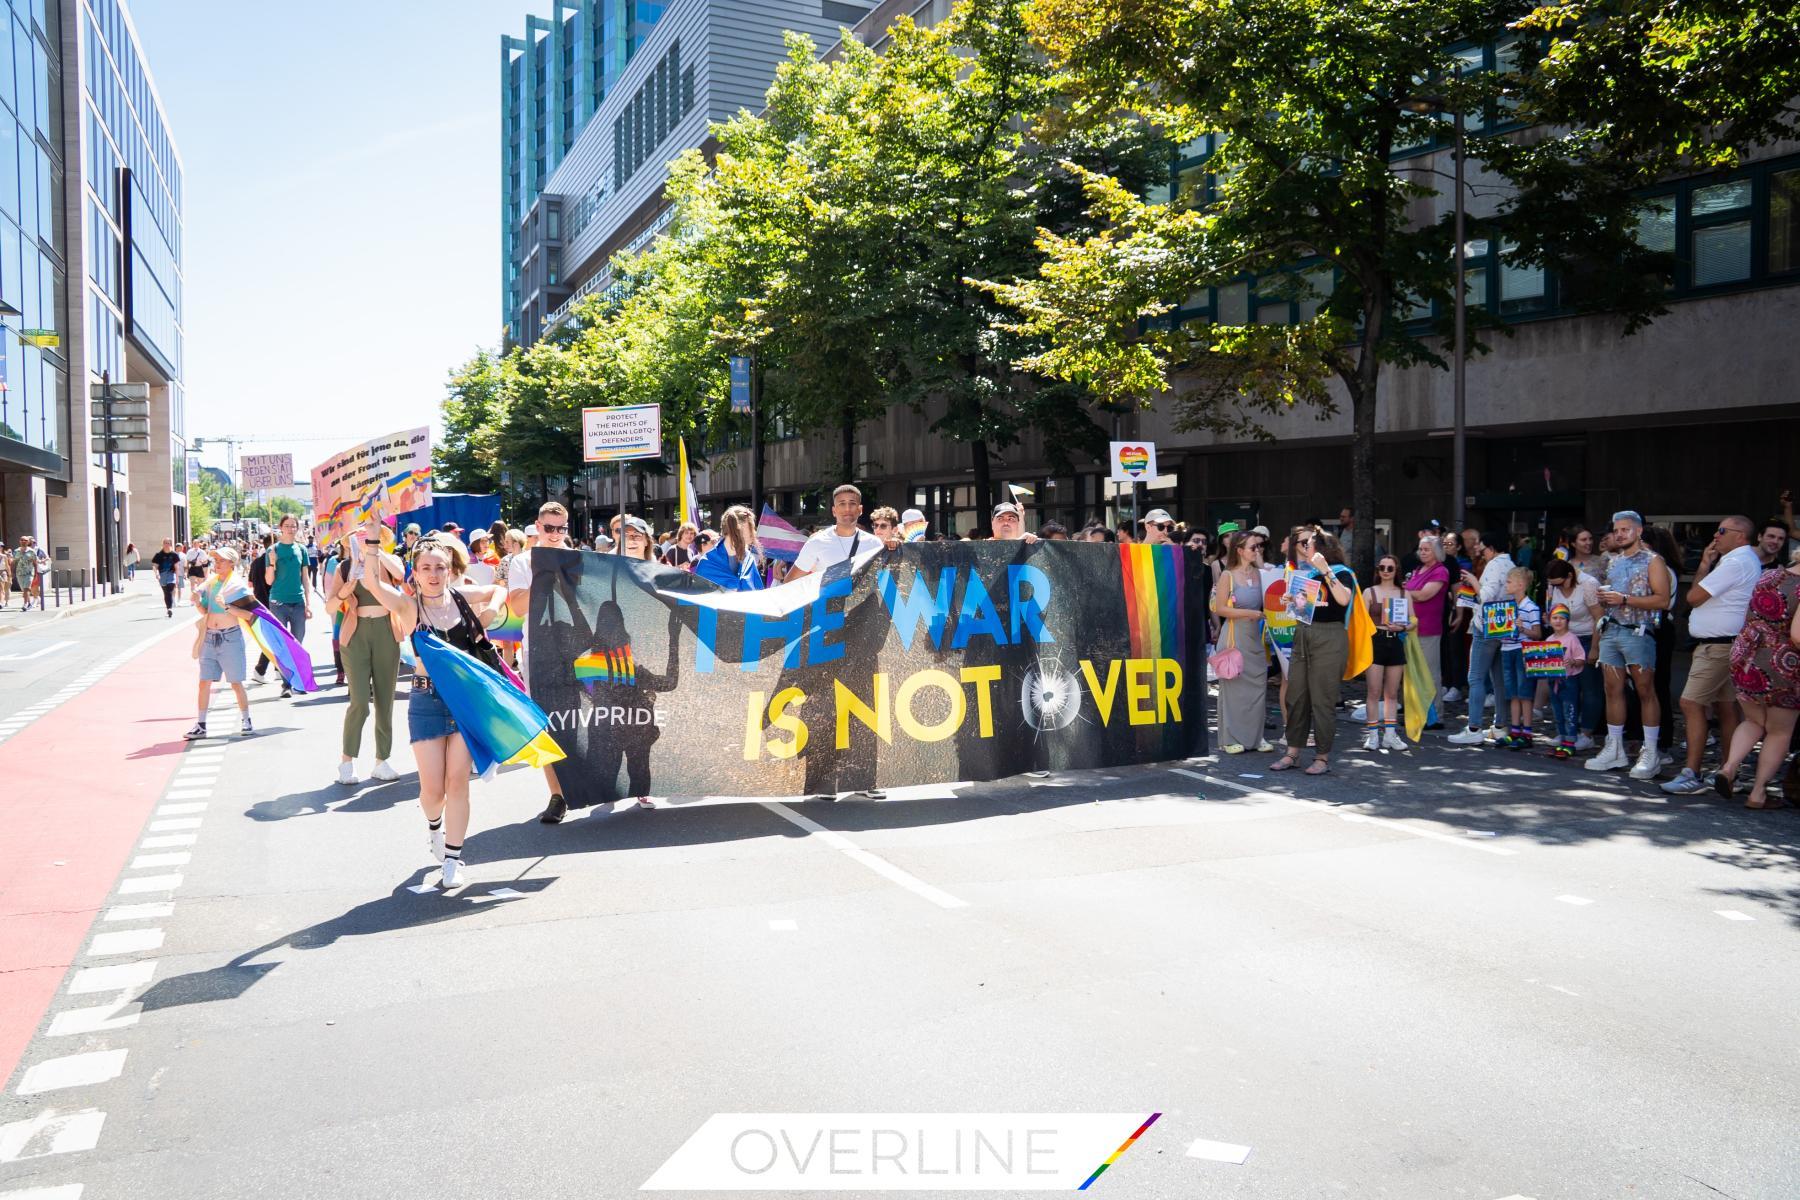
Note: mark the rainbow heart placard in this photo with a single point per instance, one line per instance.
(1133, 462)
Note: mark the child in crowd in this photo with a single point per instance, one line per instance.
(1519, 686)
(1565, 692)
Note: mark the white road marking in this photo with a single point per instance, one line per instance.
(112, 979)
(1386, 822)
(783, 926)
(140, 912)
(66, 1191)
(875, 863)
(421, 888)
(99, 1019)
(168, 839)
(51, 1133)
(1732, 914)
(170, 826)
(1225, 1152)
(125, 941)
(506, 893)
(51, 649)
(72, 1070)
(180, 810)
(174, 858)
(150, 883)
(1576, 900)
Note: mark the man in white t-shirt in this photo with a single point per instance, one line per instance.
(845, 541)
(1720, 597)
(552, 530)
(1008, 523)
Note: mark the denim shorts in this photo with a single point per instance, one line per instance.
(428, 717)
(1519, 685)
(1623, 648)
(222, 655)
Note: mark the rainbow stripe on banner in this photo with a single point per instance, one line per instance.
(512, 629)
(1117, 1154)
(1153, 599)
(606, 666)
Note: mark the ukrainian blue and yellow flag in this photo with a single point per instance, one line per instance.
(500, 723)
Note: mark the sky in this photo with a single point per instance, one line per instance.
(341, 207)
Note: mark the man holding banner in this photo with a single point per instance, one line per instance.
(844, 542)
(552, 528)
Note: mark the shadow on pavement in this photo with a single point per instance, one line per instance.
(364, 798)
(400, 909)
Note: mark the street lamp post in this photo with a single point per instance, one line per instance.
(1459, 448)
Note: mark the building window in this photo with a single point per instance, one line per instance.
(1234, 304)
(1656, 224)
(1784, 220)
(1521, 287)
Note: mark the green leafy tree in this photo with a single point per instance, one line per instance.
(1307, 103)
(467, 458)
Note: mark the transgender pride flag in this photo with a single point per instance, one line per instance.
(777, 538)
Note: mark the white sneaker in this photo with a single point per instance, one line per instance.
(1390, 740)
(347, 774)
(1649, 764)
(1583, 743)
(436, 843)
(1452, 695)
(1372, 740)
(1360, 713)
(383, 773)
(1468, 737)
(453, 873)
(1611, 757)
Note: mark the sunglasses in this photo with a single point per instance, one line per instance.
(1385, 569)
(552, 528)
(882, 524)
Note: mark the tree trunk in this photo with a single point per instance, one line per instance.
(849, 434)
(1363, 385)
(984, 479)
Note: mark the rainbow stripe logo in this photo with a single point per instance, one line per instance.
(1152, 578)
(1134, 460)
(606, 666)
(1120, 1152)
(512, 629)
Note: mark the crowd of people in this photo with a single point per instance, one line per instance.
(1582, 656)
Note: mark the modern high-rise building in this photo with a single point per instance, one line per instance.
(596, 101)
(90, 273)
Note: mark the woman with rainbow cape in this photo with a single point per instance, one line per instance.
(1332, 643)
(461, 712)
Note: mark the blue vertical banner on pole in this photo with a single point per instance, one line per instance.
(740, 384)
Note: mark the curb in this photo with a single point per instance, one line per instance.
(57, 614)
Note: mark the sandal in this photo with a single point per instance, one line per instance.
(1318, 766)
(1286, 762)
(1234, 748)
(644, 802)
(1722, 781)
(1766, 806)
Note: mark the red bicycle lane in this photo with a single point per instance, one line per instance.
(76, 787)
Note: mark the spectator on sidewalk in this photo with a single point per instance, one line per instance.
(1720, 598)
(26, 576)
(1565, 690)
(1765, 666)
(1484, 651)
(1579, 592)
(1428, 588)
(1636, 596)
(131, 560)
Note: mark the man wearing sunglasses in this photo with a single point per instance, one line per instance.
(1157, 523)
(1720, 597)
(552, 533)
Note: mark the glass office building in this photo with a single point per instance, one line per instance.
(34, 370)
(552, 82)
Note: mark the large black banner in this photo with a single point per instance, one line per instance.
(928, 664)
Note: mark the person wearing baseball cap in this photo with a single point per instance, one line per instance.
(219, 641)
(1157, 523)
(1009, 523)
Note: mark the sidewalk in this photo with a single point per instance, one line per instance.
(13, 618)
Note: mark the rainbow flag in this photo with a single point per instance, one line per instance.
(274, 640)
(1153, 599)
(512, 629)
(606, 666)
(915, 530)
(777, 538)
(499, 723)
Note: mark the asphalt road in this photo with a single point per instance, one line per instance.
(1446, 973)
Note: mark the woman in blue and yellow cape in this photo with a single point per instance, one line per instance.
(461, 711)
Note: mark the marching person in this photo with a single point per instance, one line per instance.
(167, 563)
(370, 649)
(844, 541)
(734, 563)
(457, 615)
(219, 639)
(550, 532)
(1238, 602)
(1321, 648)
(285, 573)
